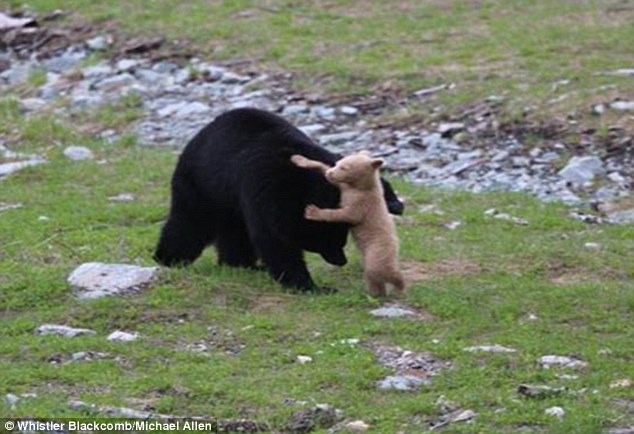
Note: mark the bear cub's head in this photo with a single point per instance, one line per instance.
(359, 171)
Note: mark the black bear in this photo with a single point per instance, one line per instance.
(234, 186)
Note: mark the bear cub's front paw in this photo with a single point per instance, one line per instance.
(300, 161)
(312, 212)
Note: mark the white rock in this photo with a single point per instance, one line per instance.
(338, 138)
(77, 153)
(6, 206)
(62, 330)
(123, 197)
(94, 279)
(490, 349)
(464, 416)
(593, 246)
(622, 105)
(99, 43)
(312, 129)
(121, 336)
(349, 110)
(97, 71)
(555, 411)
(357, 426)
(392, 312)
(449, 128)
(9, 168)
(302, 360)
(580, 170)
(400, 382)
(124, 65)
(561, 361)
(351, 341)
(11, 399)
(453, 225)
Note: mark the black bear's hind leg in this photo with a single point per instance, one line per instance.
(183, 239)
(234, 246)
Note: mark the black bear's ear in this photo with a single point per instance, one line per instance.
(377, 162)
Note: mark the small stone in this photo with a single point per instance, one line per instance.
(452, 226)
(116, 82)
(352, 341)
(338, 138)
(124, 65)
(62, 330)
(7, 206)
(400, 382)
(295, 109)
(592, 246)
(9, 168)
(464, 416)
(555, 411)
(349, 110)
(561, 362)
(312, 129)
(77, 153)
(621, 384)
(448, 129)
(490, 349)
(357, 426)
(392, 312)
(64, 62)
(10, 399)
(32, 104)
(581, 170)
(81, 355)
(123, 197)
(539, 391)
(97, 71)
(492, 212)
(324, 112)
(99, 43)
(619, 217)
(598, 109)
(622, 105)
(302, 360)
(121, 336)
(94, 279)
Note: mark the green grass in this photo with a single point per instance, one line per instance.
(481, 280)
(508, 48)
(582, 298)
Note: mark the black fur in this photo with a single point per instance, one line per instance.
(234, 186)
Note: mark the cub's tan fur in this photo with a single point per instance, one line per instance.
(363, 207)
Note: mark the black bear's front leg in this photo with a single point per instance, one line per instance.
(285, 264)
(234, 246)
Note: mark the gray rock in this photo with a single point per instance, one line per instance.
(598, 109)
(324, 112)
(184, 109)
(539, 391)
(99, 43)
(62, 330)
(9, 168)
(622, 105)
(555, 411)
(448, 129)
(121, 336)
(232, 78)
(125, 65)
(10, 399)
(312, 129)
(490, 349)
(94, 279)
(32, 104)
(338, 138)
(166, 67)
(64, 62)
(17, 74)
(561, 362)
(400, 382)
(295, 109)
(122, 197)
(182, 76)
(621, 217)
(77, 153)
(150, 77)
(392, 312)
(7, 206)
(581, 170)
(116, 82)
(349, 110)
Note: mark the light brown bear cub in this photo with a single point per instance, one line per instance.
(363, 207)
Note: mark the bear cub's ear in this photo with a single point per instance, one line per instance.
(377, 162)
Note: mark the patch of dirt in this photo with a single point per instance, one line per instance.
(563, 275)
(420, 271)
